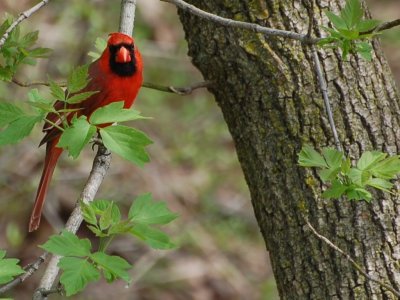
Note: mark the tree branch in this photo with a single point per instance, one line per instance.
(324, 91)
(177, 90)
(29, 270)
(352, 261)
(304, 38)
(101, 164)
(22, 16)
(186, 90)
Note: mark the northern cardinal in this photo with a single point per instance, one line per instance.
(117, 76)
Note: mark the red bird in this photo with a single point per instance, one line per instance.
(117, 76)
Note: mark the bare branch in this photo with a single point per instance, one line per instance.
(101, 164)
(177, 90)
(186, 90)
(383, 26)
(324, 90)
(352, 261)
(29, 270)
(127, 17)
(304, 38)
(22, 16)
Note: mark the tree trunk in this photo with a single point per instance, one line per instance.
(272, 103)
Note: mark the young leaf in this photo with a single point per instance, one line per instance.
(337, 21)
(114, 112)
(145, 210)
(77, 273)
(56, 91)
(352, 13)
(101, 206)
(9, 268)
(100, 45)
(78, 79)
(106, 219)
(329, 174)
(18, 129)
(387, 168)
(358, 193)
(88, 213)
(75, 137)
(308, 157)
(380, 184)
(114, 266)
(67, 244)
(126, 142)
(79, 97)
(369, 159)
(367, 25)
(365, 50)
(155, 238)
(9, 113)
(333, 157)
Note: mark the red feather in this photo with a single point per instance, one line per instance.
(112, 85)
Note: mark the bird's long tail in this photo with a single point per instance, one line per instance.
(52, 155)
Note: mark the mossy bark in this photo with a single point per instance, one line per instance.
(272, 103)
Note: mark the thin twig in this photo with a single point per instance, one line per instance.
(383, 26)
(29, 270)
(352, 261)
(324, 90)
(243, 25)
(22, 16)
(177, 90)
(185, 90)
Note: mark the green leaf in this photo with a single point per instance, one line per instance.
(337, 21)
(67, 244)
(308, 157)
(9, 268)
(333, 157)
(115, 266)
(76, 136)
(335, 191)
(101, 206)
(365, 50)
(77, 98)
(155, 238)
(388, 168)
(367, 25)
(352, 13)
(114, 112)
(9, 113)
(77, 273)
(126, 142)
(346, 166)
(145, 210)
(106, 219)
(121, 227)
(18, 129)
(40, 52)
(355, 175)
(29, 39)
(329, 174)
(380, 184)
(56, 91)
(369, 159)
(357, 193)
(89, 215)
(78, 79)
(100, 45)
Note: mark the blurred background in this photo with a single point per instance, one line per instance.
(193, 163)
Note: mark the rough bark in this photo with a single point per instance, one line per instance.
(271, 101)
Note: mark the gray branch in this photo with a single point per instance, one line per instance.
(22, 16)
(304, 38)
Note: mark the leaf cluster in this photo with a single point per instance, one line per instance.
(9, 268)
(81, 265)
(18, 49)
(350, 31)
(374, 169)
(77, 131)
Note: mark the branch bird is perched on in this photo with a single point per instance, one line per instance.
(116, 76)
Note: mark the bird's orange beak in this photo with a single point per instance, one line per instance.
(123, 55)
